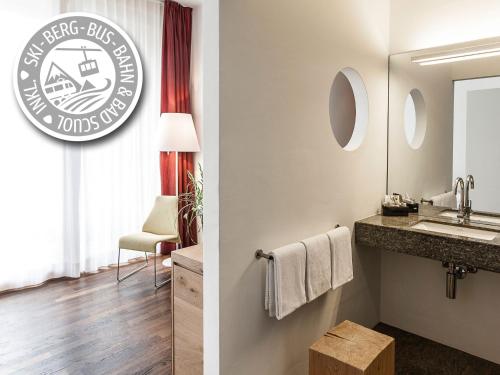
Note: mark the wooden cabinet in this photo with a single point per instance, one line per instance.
(187, 311)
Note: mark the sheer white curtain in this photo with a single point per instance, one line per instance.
(64, 206)
(118, 176)
(31, 167)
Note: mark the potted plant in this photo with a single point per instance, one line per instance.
(191, 203)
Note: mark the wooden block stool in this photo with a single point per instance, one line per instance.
(351, 349)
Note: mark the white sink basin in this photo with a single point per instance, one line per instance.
(473, 217)
(480, 234)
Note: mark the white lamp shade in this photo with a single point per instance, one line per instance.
(176, 132)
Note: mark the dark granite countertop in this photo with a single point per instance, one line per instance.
(395, 234)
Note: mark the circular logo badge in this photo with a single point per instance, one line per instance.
(79, 77)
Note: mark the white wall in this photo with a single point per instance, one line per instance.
(475, 138)
(283, 176)
(210, 140)
(413, 289)
(483, 135)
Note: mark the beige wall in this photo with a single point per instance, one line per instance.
(428, 23)
(342, 109)
(413, 289)
(413, 299)
(283, 176)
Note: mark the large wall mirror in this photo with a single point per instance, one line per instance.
(444, 123)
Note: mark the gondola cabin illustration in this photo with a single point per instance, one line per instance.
(88, 66)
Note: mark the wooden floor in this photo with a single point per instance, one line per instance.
(88, 326)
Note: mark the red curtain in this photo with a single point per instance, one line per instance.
(175, 97)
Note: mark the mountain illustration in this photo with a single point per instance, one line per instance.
(57, 74)
(87, 86)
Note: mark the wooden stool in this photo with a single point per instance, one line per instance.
(351, 349)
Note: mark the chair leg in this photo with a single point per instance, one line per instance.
(131, 273)
(158, 286)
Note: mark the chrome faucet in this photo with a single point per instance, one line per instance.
(461, 205)
(468, 203)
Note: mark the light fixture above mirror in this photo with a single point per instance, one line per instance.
(460, 52)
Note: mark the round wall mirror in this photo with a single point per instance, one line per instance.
(415, 119)
(348, 109)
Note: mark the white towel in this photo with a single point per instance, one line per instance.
(285, 280)
(270, 296)
(340, 245)
(318, 266)
(445, 200)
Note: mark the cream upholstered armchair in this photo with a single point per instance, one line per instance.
(160, 226)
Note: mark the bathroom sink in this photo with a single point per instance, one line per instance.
(483, 218)
(457, 230)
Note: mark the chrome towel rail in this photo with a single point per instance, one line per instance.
(259, 254)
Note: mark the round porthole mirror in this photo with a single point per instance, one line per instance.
(415, 119)
(348, 109)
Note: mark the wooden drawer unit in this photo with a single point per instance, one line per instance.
(187, 311)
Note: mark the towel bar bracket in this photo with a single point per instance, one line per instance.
(259, 254)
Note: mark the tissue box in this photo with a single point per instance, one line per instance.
(413, 207)
(395, 211)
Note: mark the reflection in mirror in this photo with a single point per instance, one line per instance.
(461, 129)
(415, 119)
(426, 170)
(476, 138)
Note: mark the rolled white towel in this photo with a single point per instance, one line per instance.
(445, 200)
(340, 245)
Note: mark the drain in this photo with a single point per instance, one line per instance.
(453, 273)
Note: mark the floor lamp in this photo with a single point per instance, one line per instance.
(176, 133)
